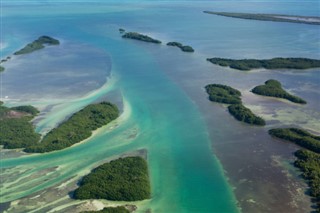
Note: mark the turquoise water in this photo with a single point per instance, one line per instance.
(160, 86)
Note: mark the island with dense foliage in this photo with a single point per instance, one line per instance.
(270, 17)
(308, 159)
(16, 129)
(184, 48)
(140, 37)
(118, 209)
(77, 128)
(225, 94)
(273, 88)
(274, 63)
(37, 45)
(244, 114)
(2, 68)
(124, 179)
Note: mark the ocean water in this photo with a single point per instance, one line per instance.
(200, 158)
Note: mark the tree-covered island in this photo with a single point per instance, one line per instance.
(242, 113)
(184, 48)
(270, 17)
(124, 179)
(118, 209)
(308, 159)
(228, 95)
(37, 45)
(274, 88)
(18, 132)
(77, 128)
(274, 63)
(140, 37)
(2, 68)
(16, 129)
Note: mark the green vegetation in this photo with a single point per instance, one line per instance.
(2, 68)
(122, 30)
(228, 95)
(273, 88)
(298, 136)
(77, 128)
(118, 209)
(244, 114)
(223, 94)
(28, 109)
(16, 129)
(124, 179)
(308, 160)
(270, 17)
(181, 46)
(275, 63)
(309, 163)
(140, 37)
(37, 45)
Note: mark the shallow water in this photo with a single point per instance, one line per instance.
(166, 110)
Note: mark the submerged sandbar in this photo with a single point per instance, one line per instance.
(270, 17)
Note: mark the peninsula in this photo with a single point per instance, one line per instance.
(273, 88)
(315, 20)
(140, 37)
(228, 95)
(37, 45)
(124, 179)
(308, 159)
(274, 63)
(184, 48)
(77, 128)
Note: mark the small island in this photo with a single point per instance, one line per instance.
(121, 30)
(118, 209)
(37, 45)
(273, 88)
(242, 113)
(308, 159)
(181, 46)
(2, 68)
(140, 37)
(225, 94)
(270, 17)
(124, 179)
(274, 63)
(77, 128)
(16, 129)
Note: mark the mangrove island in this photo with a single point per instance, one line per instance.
(118, 209)
(140, 37)
(273, 88)
(228, 95)
(124, 179)
(2, 68)
(223, 94)
(16, 129)
(242, 113)
(184, 48)
(37, 45)
(77, 128)
(270, 17)
(308, 159)
(274, 63)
